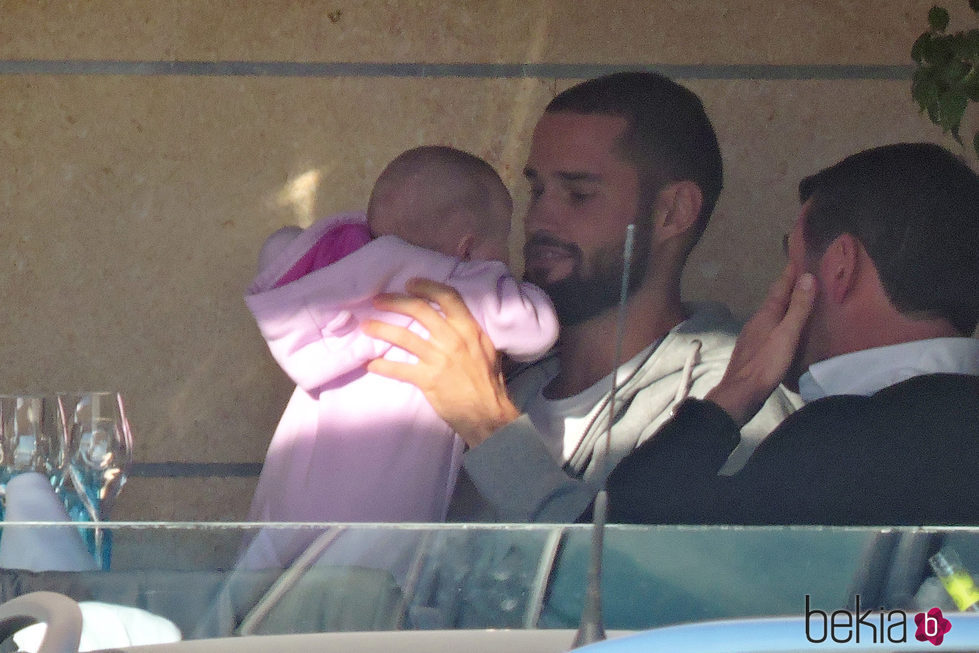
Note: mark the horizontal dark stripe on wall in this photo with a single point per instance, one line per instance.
(434, 70)
(194, 470)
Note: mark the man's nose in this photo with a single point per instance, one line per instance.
(540, 215)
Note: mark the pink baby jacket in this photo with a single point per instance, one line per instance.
(355, 446)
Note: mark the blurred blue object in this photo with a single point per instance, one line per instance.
(786, 635)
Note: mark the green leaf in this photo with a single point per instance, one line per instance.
(924, 88)
(970, 84)
(975, 143)
(951, 106)
(941, 49)
(955, 72)
(970, 51)
(928, 74)
(917, 50)
(938, 18)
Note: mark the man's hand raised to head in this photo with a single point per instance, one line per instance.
(766, 347)
(458, 369)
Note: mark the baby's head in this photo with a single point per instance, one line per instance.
(444, 199)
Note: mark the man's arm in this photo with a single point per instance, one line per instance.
(672, 478)
(766, 347)
(458, 371)
(518, 478)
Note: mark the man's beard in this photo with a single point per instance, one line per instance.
(578, 298)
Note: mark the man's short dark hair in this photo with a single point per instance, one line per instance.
(669, 137)
(915, 208)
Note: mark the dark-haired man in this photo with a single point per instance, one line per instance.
(876, 308)
(629, 148)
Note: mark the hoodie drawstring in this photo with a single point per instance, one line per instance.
(683, 389)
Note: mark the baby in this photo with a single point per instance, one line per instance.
(354, 446)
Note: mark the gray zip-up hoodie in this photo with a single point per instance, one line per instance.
(512, 477)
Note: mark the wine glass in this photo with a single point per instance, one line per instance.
(30, 440)
(100, 451)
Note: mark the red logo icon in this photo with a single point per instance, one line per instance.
(932, 626)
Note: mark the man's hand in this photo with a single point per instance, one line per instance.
(766, 346)
(458, 369)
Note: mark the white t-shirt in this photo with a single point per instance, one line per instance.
(563, 422)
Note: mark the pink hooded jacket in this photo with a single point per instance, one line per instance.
(354, 446)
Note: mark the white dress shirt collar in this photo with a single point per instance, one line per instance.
(867, 371)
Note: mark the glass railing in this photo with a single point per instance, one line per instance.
(221, 579)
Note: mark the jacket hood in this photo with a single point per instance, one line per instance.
(690, 358)
(710, 330)
(311, 324)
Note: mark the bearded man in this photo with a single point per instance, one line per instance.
(628, 148)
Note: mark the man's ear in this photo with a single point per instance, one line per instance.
(464, 248)
(839, 267)
(677, 208)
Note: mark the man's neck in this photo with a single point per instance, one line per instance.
(895, 330)
(587, 350)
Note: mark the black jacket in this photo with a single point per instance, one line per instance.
(909, 454)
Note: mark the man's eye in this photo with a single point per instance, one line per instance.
(578, 198)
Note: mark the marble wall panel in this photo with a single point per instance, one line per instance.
(591, 31)
(185, 499)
